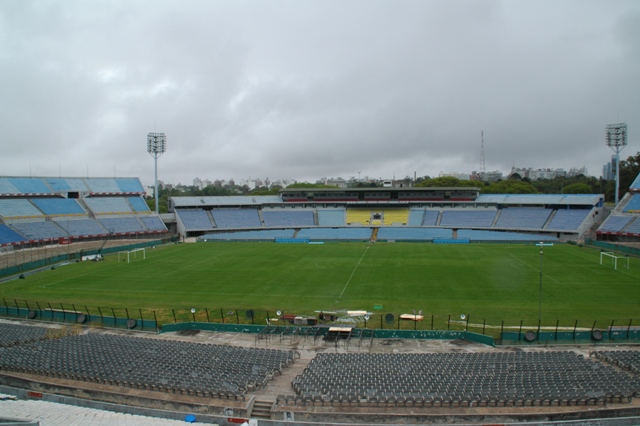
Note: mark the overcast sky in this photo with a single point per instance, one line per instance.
(311, 89)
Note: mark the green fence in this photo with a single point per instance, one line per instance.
(376, 333)
(72, 256)
(78, 317)
(613, 247)
(15, 270)
(617, 335)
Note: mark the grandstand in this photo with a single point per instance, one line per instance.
(259, 377)
(288, 218)
(623, 223)
(461, 380)
(556, 217)
(331, 217)
(39, 209)
(47, 209)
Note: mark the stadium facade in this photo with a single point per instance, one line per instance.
(389, 213)
(55, 210)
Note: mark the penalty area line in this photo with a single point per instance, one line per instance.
(353, 272)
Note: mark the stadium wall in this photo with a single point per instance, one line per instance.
(42, 263)
(617, 335)
(614, 247)
(78, 317)
(378, 334)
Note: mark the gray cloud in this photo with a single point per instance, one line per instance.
(302, 90)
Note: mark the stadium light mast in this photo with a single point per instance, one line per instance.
(616, 139)
(156, 146)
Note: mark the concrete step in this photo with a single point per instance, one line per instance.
(262, 409)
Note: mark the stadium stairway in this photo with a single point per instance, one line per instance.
(280, 386)
(211, 219)
(550, 218)
(261, 409)
(439, 218)
(495, 219)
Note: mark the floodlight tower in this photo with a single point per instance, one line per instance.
(616, 139)
(156, 146)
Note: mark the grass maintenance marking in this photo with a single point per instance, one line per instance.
(354, 271)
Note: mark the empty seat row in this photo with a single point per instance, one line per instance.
(561, 378)
(146, 363)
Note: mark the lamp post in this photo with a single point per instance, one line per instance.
(156, 146)
(541, 244)
(616, 139)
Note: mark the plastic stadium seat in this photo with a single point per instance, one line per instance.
(8, 235)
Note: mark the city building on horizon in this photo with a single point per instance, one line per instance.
(537, 174)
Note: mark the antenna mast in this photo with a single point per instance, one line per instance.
(483, 171)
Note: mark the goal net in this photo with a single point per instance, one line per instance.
(132, 255)
(614, 259)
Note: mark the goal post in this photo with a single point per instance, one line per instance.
(614, 258)
(132, 255)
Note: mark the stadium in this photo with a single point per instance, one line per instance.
(320, 305)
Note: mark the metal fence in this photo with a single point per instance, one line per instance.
(100, 317)
(383, 325)
(15, 261)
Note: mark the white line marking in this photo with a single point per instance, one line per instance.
(354, 271)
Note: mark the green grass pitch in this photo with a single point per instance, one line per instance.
(492, 282)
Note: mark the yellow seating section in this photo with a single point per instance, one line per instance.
(389, 216)
(392, 216)
(361, 216)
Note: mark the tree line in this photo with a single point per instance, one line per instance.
(581, 184)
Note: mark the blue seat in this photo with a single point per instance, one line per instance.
(331, 217)
(195, 220)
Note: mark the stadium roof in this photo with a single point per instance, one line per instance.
(537, 199)
(240, 200)
(412, 189)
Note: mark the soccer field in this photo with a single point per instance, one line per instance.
(492, 282)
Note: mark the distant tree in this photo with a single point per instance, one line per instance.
(550, 186)
(629, 171)
(510, 187)
(310, 185)
(265, 191)
(577, 188)
(213, 191)
(449, 181)
(558, 184)
(367, 185)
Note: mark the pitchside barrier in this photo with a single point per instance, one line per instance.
(292, 240)
(613, 247)
(78, 317)
(377, 334)
(450, 241)
(72, 256)
(596, 336)
(377, 325)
